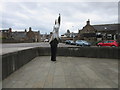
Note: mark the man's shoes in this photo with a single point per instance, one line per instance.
(54, 61)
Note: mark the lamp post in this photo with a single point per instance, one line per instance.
(73, 33)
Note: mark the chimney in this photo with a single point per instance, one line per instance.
(10, 29)
(30, 29)
(88, 22)
(38, 31)
(25, 30)
(51, 32)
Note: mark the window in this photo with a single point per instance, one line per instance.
(106, 42)
(110, 41)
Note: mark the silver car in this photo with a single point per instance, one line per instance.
(82, 43)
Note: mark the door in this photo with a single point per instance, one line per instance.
(106, 43)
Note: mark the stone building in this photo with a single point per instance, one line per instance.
(95, 33)
(33, 36)
(6, 33)
(19, 36)
(107, 31)
(8, 36)
(88, 33)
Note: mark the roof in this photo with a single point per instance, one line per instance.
(105, 27)
(5, 30)
(19, 34)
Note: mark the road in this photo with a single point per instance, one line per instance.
(7, 48)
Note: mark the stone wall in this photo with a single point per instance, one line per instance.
(13, 61)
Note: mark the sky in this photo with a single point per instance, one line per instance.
(41, 15)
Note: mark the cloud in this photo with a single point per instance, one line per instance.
(60, 0)
(41, 15)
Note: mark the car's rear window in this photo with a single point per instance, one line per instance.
(108, 41)
(118, 41)
(105, 41)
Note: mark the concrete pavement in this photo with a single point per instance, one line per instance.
(67, 72)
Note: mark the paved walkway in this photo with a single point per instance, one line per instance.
(67, 72)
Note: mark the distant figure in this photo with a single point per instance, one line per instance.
(54, 40)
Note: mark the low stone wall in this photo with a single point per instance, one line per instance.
(93, 52)
(13, 61)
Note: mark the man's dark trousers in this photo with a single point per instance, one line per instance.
(54, 44)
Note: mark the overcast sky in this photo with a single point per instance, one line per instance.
(41, 15)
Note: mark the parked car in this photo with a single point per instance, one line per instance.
(46, 40)
(82, 43)
(112, 43)
(97, 42)
(67, 42)
(72, 42)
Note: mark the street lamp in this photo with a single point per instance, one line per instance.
(73, 33)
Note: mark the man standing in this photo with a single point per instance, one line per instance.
(55, 39)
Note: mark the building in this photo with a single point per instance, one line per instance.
(6, 33)
(69, 36)
(88, 33)
(33, 36)
(107, 31)
(95, 33)
(19, 36)
(46, 36)
(8, 36)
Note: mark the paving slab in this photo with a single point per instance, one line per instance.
(67, 72)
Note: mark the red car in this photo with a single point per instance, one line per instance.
(112, 43)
